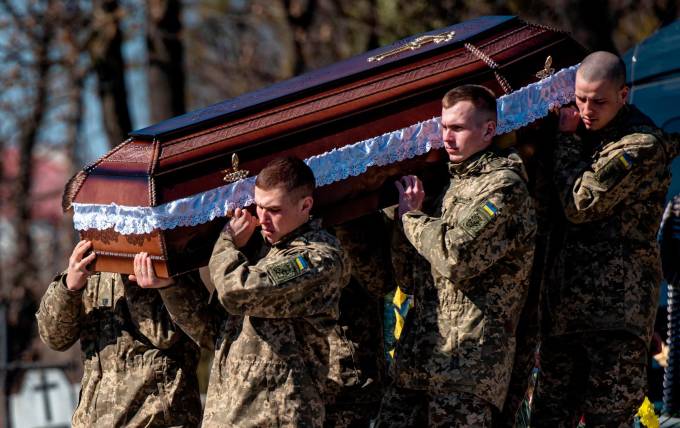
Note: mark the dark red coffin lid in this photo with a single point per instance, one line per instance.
(287, 90)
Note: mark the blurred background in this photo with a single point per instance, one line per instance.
(77, 76)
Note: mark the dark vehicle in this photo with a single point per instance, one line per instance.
(654, 76)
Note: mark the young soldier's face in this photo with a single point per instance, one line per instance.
(464, 131)
(598, 102)
(280, 212)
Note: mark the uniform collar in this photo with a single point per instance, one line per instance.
(472, 163)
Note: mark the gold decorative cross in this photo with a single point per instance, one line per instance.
(415, 44)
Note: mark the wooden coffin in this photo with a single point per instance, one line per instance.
(363, 97)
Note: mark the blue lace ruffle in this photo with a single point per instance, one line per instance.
(534, 101)
(514, 111)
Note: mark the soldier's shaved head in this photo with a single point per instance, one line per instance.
(601, 65)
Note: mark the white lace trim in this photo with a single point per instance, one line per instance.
(514, 111)
(534, 101)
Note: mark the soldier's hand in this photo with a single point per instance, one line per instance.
(241, 227)
(570, 118)
(144, 274)
(77, 272)
(411, 194)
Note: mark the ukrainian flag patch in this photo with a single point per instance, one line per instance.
(490, 208)
(479, 217)
(626, 160)
(288, 268)
(615, 169)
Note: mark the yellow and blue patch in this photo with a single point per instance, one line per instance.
(479, 218)
(626, 160)
(301, 262)
(490, 208)
(615, 169)
(288, 268)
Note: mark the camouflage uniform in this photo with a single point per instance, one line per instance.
(612, 184)
(357, 363)
(139, 368)
(271, 352)
(548, 217)
(410, 408)
(459, 337)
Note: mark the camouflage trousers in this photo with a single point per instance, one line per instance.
(601, 376)
(354, 415)
(405, 408)
(525, 361)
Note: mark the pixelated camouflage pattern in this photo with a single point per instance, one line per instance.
(139, 368)
(601, 376)
(404, 408)
(608, 272)
(271, 358)
(357, 367)
(548, 218)
(460, 334)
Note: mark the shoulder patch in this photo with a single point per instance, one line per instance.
(480, 217)
(615, 169)
(288, 268)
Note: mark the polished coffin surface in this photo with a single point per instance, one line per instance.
(360, 98)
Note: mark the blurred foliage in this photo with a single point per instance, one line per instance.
(235, 46)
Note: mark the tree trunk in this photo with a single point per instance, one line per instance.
(66, 236)
(166, 57)
(24, 268)
(107, 60)
(300, 14)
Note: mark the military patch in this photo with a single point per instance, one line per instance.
(479, 218)
(615, 169)
(287, 269)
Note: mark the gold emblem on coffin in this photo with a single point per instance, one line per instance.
(547, 69)
(415, 44)
(234, 173)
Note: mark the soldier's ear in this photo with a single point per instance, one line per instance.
(306, 205)
(489, 131)
(623, 93)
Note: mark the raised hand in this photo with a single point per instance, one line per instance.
(77, 272)
(411, 194)
(241, 227)
(570, 118)
(144, 274)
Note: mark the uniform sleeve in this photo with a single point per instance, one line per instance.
(305, 283)
(493, 225)
(590, 188)
(150, 317)
(187, 302)
(364, 241)
(59, 315)
(408, 266)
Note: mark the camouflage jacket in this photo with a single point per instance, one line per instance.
(479, 244)
(139, 368)
(358, 366)
(612, 184)
(271, 352)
